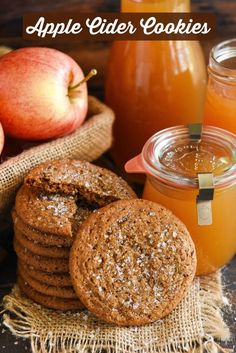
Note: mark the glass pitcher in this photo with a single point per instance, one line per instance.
(152, 85)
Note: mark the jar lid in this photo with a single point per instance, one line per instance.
(174, 157)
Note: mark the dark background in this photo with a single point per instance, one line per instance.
(89, 55)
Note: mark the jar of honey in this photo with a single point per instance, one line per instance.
(152, 85)
(221, 90)
(193, 173)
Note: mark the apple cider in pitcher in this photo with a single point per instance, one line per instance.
(153, 85)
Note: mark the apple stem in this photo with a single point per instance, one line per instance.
(92, 73)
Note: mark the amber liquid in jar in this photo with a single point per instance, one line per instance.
(220, 107)
(216, 243)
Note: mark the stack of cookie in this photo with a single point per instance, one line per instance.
(50, 207)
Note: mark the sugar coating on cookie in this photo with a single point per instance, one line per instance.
(36, 235)
(51, 213)
(98, 186)
(132, 262)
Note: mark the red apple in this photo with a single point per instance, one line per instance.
(1, 139)
(37, 101)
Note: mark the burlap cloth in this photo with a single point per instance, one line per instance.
(89, 142)
(192, 327)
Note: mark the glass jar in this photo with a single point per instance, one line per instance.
(152, 85)
(221, 90)
(175, 165)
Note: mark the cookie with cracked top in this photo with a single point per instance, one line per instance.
(52, 213)
(46, 300)
(96, 185)
(132, 262)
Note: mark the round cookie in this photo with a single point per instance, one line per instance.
(60, 292)
(35, 235)
(132, 262)
(52, 213)
(96, 185)
(47, 301)
(41, 263)
(54, 279)
(38, 249)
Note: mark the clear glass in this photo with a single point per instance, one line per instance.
(173, 158)
(172, 162)
(152, 85)
(221, 90)
(215, 244)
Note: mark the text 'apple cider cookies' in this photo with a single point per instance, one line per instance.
(132, 262)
